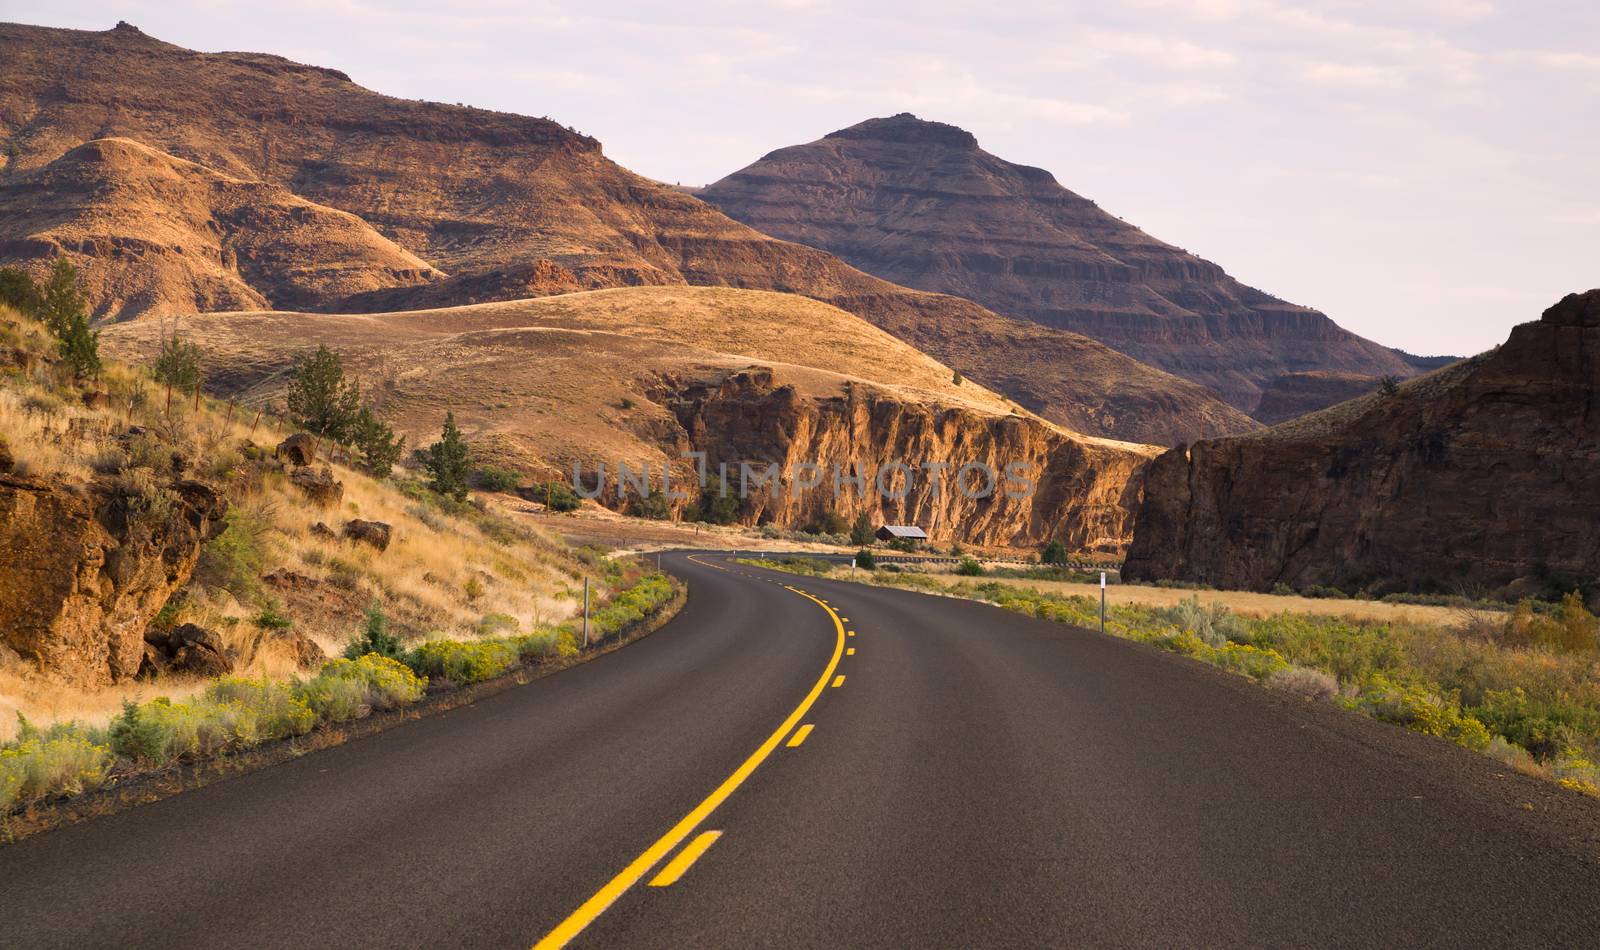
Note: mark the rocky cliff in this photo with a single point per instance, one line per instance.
(1482, 473)
(1295, 394)
(507, 205)
(1025, 482)
(919, 203)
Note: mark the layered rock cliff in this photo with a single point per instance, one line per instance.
(959, 474)
(507, 205)
(919, 203)
(1484, 473)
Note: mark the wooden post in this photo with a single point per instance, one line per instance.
(197, 398)
(168, 410)
(229, 420)
(255, 423)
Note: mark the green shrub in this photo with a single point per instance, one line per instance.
(386, 683)
(1216, 624)
(270, 619)
(1324, 591)
(1053, 553)
(491, 625)
(969, 567)
(490, 478)
(234, 559)
(45, 763)
(556, 496)
(1418, 709)
(865, 560)
(653, 506)
(375, 637)
(463, 662)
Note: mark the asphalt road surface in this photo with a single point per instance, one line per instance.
(976, 778)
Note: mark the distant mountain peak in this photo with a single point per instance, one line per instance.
(907, 128)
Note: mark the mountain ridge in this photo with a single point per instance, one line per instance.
(921, 204)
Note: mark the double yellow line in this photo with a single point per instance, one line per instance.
(634, 872)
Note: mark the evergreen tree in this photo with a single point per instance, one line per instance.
(376, 442)
(63, 309)
(18, 291)
(1053, 553)
(60, 300)
(447, 459)
(861, 531)
(321, 400)
(178, 363)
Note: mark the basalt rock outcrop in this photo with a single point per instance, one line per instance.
(920, 204)
(460, 205)
(1484, 473)
(989, 480)
(89, 565)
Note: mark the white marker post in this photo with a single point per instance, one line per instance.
(586, 613)
(852, 567)
(1102, 602)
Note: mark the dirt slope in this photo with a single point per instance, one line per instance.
(510, 206)
(919, 203)
(160, 234)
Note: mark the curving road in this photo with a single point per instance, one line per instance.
(977, 778)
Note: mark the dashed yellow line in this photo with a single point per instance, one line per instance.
(800, 735)
(838, 680)
(850, 651)
(640, 866)
(688, 856)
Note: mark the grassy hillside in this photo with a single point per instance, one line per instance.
(268, 579)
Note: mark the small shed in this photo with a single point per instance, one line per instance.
(901, 532)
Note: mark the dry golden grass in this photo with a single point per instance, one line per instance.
(1244, 602)
(441, 575)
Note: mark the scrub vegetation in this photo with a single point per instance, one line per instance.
(1522, 686)
(234, 714)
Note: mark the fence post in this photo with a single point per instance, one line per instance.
(586, 613)
(1102, 602)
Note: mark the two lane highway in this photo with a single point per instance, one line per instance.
(905, 770)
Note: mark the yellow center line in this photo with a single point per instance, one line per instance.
(850, 651)
(852, 633)
(838, 680)
(635, 871)
(688, 856)
(800, 735)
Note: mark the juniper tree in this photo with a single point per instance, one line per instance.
(447, 460)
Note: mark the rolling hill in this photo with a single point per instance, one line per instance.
(644, 375)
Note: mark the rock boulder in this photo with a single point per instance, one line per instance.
(87, 566)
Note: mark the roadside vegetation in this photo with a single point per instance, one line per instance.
(1522, 686)
(454, 589)
(235, 714)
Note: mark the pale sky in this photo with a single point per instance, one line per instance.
(1422, 170)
